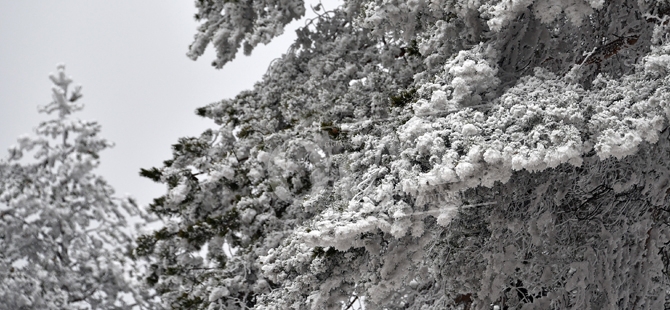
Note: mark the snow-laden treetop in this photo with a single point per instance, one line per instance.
(65, 237)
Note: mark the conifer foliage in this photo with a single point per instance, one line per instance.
(64, 236)
(427, 154)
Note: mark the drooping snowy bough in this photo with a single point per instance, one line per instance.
(428, 155)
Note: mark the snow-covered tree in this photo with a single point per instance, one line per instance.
(427, 154)
(65, 237)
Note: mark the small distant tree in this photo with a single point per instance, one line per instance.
(64, 235)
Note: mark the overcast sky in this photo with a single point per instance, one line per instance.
(137, 81)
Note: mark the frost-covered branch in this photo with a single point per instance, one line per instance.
(432, 154)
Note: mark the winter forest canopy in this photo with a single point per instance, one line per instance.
(421, 154)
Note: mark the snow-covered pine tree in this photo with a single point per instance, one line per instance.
(64, 236)
(427, 154)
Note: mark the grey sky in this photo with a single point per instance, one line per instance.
(137, 82)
